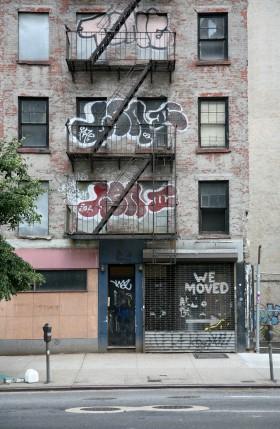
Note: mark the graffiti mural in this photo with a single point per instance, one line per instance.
(139, 202)
(270, 315)
(138, 122)
(150, 30)
(201, 302)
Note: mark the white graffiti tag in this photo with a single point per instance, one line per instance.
(122, 284)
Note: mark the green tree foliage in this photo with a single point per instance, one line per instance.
(18, 195)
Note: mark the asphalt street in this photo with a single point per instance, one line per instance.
(141, 409)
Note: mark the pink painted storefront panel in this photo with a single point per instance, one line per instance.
(60, 259)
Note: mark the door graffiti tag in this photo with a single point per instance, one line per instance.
(122, 284)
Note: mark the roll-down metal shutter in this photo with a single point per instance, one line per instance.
(189, 307)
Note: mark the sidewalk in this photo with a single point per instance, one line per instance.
(124, 370)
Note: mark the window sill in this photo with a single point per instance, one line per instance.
(36, 237)
(34, 63)
(33, 150)
(208, 236)
(213, 63)
(55, 291)
(202, 150)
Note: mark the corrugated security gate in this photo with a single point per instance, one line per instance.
(189, 307)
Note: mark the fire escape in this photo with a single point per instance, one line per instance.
(155, 160)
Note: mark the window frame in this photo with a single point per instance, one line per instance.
(35, 60)
(20, 123)
(226, 125)
(226, 210)
(42, 289)
(225, 38)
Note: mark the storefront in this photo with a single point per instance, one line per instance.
(190, 306)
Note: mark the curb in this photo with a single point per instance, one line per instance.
(140, 387)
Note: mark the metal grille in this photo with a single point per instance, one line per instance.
(189, 306)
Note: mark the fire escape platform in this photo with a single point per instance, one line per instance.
(86, 65)
(116, 236)
(87, 155)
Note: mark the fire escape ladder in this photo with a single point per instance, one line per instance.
(126, 190)
(123, 101)
(110, 34)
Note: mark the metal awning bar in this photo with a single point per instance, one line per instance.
(184, 255)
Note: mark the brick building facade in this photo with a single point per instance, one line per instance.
(135, 118)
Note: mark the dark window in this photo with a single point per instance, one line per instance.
(213, 122)
(213, 205)
(62, 280)
(212, 37)
(33, 122)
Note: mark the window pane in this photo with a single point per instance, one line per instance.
(34, 111)
(212, 27)
(214, 50)
(63, 280)
(34, 135)
(42, 208)
(212, 135)
(33, 36)
(213, 188)
(213, 220)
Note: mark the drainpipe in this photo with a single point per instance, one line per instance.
(258, 299)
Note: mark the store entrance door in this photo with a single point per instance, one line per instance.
(121, 306)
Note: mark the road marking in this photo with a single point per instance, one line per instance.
(252, 396)
(121, 409)
(244, 411)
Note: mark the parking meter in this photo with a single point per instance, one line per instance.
(47, 332)
(47, 338)
(268, 333)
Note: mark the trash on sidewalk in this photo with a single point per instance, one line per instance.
(8, 379)
(31, 376)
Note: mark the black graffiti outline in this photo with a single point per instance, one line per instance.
(137, 121)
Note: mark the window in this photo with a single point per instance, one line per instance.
(154, 40)
(63, 280)
(38, 228)
(33, 122)
(152, 119)
(33, 36)
(90, 32)
(213, 204)
(91, 113)
(212, 37)
(213, 122)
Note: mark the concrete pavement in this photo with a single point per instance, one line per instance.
(109, 370)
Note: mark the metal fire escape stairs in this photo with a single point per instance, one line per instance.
(132, 175)
(110, 34)
(123, 99)
(136, 77)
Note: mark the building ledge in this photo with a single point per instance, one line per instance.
(34, 150)
(202, 150)
(34, 63)
(202, 63)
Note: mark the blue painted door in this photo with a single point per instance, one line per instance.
(121, 306)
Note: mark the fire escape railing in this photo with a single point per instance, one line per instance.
(144, 220)
(126, 47)
(139, 139)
